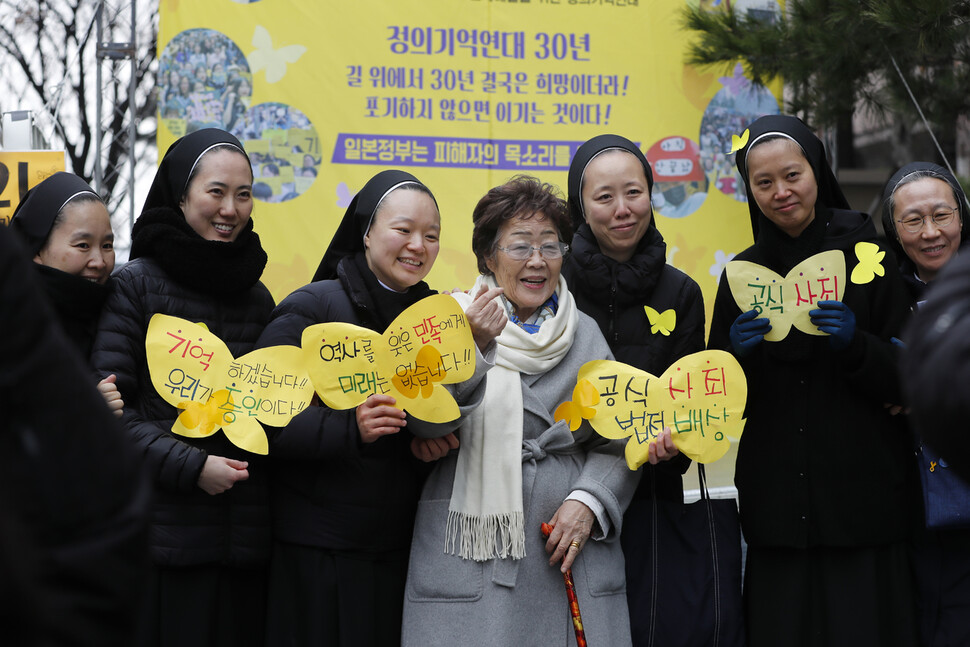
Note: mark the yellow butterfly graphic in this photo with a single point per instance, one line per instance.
(193, 370)
(870, 263)
(274, 61)
(428, 362)
(580, 407)
(662, 322)
(201, 419)
(786, 301)
(700, 398)
(737, 143)
(428, 345)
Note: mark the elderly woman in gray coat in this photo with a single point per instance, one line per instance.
(480, 571)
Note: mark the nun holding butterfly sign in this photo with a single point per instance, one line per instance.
(822, 472)
(429, 344)
(701, 398)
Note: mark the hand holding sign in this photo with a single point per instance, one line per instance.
(747, 331)
(786, 302)
(192, 369)
(700, 398)
(427, 345)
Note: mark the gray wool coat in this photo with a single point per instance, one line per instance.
(455, 601)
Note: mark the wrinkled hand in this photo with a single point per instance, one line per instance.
(432, 449)
(377, 417)
(220, 474)
(663, 448)
(486, 316)
(573, 521)
(836, 319)
(109, 391)
(747, 332)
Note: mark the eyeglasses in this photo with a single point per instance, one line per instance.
(522, 252)
(913, 223)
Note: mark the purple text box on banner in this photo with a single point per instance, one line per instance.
(454, 152)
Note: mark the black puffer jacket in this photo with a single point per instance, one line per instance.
(614, 294)
(189, 527)
(330, 490)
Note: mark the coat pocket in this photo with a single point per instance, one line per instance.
(605, 568)
(433, 574)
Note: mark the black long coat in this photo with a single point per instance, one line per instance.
(821, 461)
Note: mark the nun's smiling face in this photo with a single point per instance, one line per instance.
(783, 184)
(930, 201)
(402, 242)
(81, 242)
(616, 202)
(219, 199)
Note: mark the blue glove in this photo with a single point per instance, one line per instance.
(747, 332)
(836, 319)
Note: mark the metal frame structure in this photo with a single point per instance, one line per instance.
(116, 51)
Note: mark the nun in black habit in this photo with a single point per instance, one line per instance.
(923, 253)
(618, 265)
(66, 227)
(195, 255)
(927, 196)
(68, 231)
(824, 472)
(73, 500)
(346, 484)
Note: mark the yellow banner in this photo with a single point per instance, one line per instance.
(20, 171)
(464, 94)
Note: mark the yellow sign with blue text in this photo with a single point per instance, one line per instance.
(463, 94)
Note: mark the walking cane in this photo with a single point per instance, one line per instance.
(571, 596)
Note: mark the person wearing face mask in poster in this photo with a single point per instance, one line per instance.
(195, 255)
(824, 471)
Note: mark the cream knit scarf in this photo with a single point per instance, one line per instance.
(485, 516)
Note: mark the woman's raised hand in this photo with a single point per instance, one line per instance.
(486, 316)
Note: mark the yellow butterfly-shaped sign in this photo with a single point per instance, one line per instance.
(274, 61)
(662, 322)
(192, 369)
(870, 263)
(427, 345)
(787, 301)
(580, 407)
(700, 398)
(737, 143)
